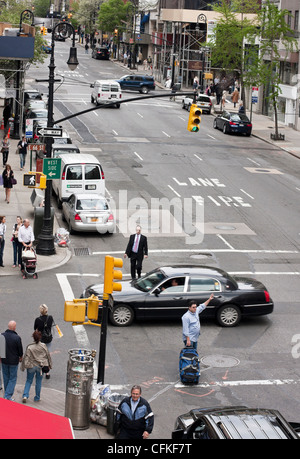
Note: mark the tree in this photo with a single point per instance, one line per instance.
(234, 28)
(277, 38)
(114, 14)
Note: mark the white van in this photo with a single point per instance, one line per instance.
(80, 173)
(59, 149)
(105, 92)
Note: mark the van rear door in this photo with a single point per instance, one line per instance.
(94, 181)
(73, 179)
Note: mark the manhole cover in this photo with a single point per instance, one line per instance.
(221, 361)
(201, 255)
(225, 227)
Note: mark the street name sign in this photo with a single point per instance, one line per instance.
(49, 132)
(52, 168)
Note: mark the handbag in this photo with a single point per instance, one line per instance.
(14, 181)
(45, 369)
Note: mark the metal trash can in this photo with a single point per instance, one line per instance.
(79, 388)
(72, 353)
(39, 219)
(114, 401)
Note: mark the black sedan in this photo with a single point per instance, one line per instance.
(233, 122)
(165, 293)
(100, 53)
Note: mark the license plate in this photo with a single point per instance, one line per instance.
(113, 96)
(241, 125)
(93, 219)
(90, 187)
(202, 104)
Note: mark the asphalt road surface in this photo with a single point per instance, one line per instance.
(226, 201)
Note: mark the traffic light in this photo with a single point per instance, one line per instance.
(45, 31)
(43, 180)
(194, 118)
(110, 274)
(76, 311)
(116, 33)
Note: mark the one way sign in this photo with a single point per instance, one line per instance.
(49, 132)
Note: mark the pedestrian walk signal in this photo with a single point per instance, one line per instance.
(29, 180)
(194, 118)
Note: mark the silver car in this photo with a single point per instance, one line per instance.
(202, 100)
(88, 212)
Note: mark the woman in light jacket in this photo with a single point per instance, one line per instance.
(36, 357)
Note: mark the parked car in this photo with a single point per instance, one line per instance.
(37, 114)
(32, 94)
(141, 83)
(46, 47)
(153, 297)
(202, 100)
(234, 422)
(233, 122)
(33, 104)
(100, 53)
(88, 212)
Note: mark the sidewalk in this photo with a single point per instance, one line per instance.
(53, 401)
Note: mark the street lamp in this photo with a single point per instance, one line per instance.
(45, 245)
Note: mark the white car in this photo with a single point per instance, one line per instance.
(202, 100)
(88, 212)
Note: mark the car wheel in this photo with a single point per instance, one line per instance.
(70, 229)
(144, 90)
(189, 108)
(248, 134)
(63, 217)
(59, 203)
(92, 99)
(229, 315)
(118, 105)
(225, 130)
(121, 315)
(215, 124)
(183, 105)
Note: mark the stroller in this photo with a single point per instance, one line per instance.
(29, 263)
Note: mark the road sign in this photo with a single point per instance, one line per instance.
(29, 180)
(52, 168)
(37, 146)
(49, 132)
(254, 95)
(29, 127)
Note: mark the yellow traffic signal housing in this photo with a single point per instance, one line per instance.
(75, 311)
(110, 274)
(92, 307)
(43, 180)
(194, 118)
(45, 31)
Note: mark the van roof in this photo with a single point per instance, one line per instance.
(66, 146)
(107, 82)
(71, 158)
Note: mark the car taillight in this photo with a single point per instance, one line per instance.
(77, 218)
(249, 125)
(267, 296)
(98, 94)
(63, 177)
(110, 218)
(102, 175)
(231, 122)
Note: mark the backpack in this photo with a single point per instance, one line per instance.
(46, 333)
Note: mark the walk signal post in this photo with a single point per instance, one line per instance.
(76, 311)
(110, 275)
(194, 118)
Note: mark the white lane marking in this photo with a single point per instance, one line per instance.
(165, 133)
(206, 251)
(247, 194)
(225, 242)
(254, 162)
(211, 136)
(200, 159)
(140, 115)
(115, 132)
(250, 382)
(138, 156)
(177, 194)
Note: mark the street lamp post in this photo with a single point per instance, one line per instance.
(45, 245)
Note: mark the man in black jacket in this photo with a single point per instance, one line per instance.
(134, 418)
(136, 250)
(14, 354)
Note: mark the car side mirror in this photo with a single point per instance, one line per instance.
(92, 86)
(156, 292)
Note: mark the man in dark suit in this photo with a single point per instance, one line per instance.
(136, 250)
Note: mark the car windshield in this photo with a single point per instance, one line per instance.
(150, 280)
(239, 117)
(91, 204)
(41, 114)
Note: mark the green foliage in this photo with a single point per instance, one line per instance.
(112, 13)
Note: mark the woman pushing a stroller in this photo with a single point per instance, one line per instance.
(26, 238)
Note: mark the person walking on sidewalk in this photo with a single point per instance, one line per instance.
(5, 149)
(8, 181)
(17, 246)
(36, 360)
(14, 355)
(22, 146)
(235, 97)
(44, 324)
(2, 239)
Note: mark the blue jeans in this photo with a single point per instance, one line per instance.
(22, 160)
(10, 373)
(17, 250)
(31, 372)
(193, 344)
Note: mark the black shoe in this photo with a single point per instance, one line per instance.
(2, 266)
(47, 376)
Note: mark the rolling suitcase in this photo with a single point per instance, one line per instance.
(189, 366)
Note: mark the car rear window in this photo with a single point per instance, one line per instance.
(91, 204)
(105, 88)
(198, 284)
(74, 173)
(114, 88)
(92, 172)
